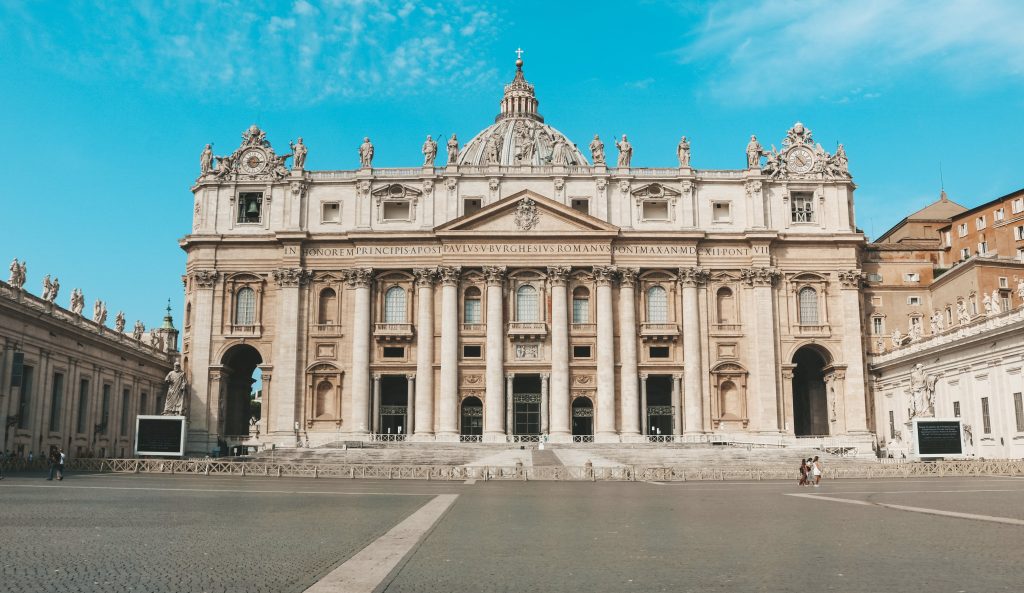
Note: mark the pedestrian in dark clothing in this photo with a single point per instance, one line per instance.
(803, 472)
(52, 461)
(61, 458)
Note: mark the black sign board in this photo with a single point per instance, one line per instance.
(160, 435)
(939, 438)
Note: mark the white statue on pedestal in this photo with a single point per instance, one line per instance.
(922, 393)
(997, 306)
(174, 403)
(987, 303)
(625, 152)
(962, 317)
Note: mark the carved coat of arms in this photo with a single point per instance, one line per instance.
(527, 216)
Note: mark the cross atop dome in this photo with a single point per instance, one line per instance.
(519, 100)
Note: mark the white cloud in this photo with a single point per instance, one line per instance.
(778, 50)
(296, 54)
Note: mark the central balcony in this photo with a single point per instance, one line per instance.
(527, 330)
(393, 332)
(659, 332)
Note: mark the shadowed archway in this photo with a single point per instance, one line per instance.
(810, 401)
(239, 366)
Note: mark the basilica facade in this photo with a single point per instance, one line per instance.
(519, 289)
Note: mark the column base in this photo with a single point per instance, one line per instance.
(606, 437)
(495, 437)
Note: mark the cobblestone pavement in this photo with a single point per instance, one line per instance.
(196, 534)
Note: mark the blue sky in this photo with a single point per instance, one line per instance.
(105, 106)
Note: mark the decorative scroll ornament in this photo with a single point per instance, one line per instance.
(851, 278)
(291, 276)
(693, 276)
(753, 188)
(253, 160)
(527, 217)
(760, 276)
(205, 278)
(801, 158)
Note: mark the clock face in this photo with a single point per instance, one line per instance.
(252, 161)
(800, 160)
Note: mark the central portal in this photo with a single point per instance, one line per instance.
(659, 405)
(526, 402)
(394, 393)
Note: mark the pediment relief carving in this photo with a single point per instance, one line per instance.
(729, 368)
(527, 212)
(655, 191)
(396, 191)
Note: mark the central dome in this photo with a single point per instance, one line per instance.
(519, 135)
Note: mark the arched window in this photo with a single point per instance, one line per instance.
(657, 305)
(580, 305)
(245, 307)
(328, 306)
(526, 303)
(394, 305)
(323, 398)
(808, 300)
(472, 312)
(726, 305)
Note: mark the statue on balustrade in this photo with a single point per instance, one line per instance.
(625, 152)
(597, 150)
(366, 153)
(429, 151)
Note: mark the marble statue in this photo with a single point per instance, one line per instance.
(224, 165)
(119, 322)
(493, 149)
(754, 152)
(880, 344)
(77, 301)
(174, 403)
(842, 163)
(54, 289)
(17, 277)
(897, 338)
(254, 136)
(156, 341)
(683, 152)
(299, 151)
(206, 160)
(625, 152)
(559, 152)
(1020, 291)
(987, 303)
(936, 322)
(99, 312)
(962, 317)
(597, 150)
(429, 151)
(915, 332)
(922, 392)
(453, 149)
(48, 286)
(137, 331)
(366, 154)
(997, 303)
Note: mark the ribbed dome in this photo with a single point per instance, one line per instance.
(519, 135)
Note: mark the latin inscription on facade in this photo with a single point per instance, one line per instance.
(525, 248)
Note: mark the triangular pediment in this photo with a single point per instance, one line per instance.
(526, 213)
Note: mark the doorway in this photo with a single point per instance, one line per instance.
(472, 424)
(582, 419)
(659, 405)
(810, 403)
(241, 374)
(394, 398)
(526, 405)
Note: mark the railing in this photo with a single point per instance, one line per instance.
(523, 438)
(474, 328)
(585, 329)
(527, 328)
(583, 438)
(471, 438)
(207, 467)
(659, 330)
(957, 333)
(655, 172)
(387, 438)
(392, 330)
(723, 174)
(243, 330)
(806, 329)
(402, 172)
(327, 329)
(331, 175)
(727, 327)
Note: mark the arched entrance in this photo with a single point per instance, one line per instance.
(472, 424)
(240, 374)
(810, 401)
(582, 417)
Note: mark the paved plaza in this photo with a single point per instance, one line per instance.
(106, 532)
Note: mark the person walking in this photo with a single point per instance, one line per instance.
(52, 461)
(61, 458)
(803, 472)
(816, 471)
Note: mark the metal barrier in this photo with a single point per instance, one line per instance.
(887, 469)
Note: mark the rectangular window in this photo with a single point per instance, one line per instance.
(659, 352)
(914, 300)
(956, 409)
(1004, 282)
(1004, 296)
(250, 206)
(126, 402)
(82, 424)
(983, 248)
(56, 399)
(1018, 409)
(105, 410)
(911, 277)
(396, 211)
(965, 253)
(25, 398)
(1018, 233)
(473, 313)
(471, 205)
(580, 205)
(874, 277)
(802, 207)
(962, 230)
(581, 351)
(394, 352)
(979, 223)
(655, 210)
(986, 421)
(998, 214)
(876, 326)
(1020, 253)
(947, 238)
(471, 351)
(1017, 205)
(876, 301)
(720, 212)
(331, 212)
(892, 425)
(580, 310)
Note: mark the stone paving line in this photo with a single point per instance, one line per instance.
(913, 509)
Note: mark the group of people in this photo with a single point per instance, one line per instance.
(810, 472)
(55, 460)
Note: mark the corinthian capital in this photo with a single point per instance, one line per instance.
(760, 276)
(692, 276)
(291, 276)
(851, 278)
(627, 277)
(605, 275)
(449, 275)
(425, 276)
(359, 277)
(495, 275)
(558, 275)
(205, 278)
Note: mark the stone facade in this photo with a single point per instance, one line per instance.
(520, 290)
(69, 381)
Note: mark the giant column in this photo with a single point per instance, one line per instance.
(693, 388)
(559, 388)
(286, 347)
(604, 277)
(765, 364)
(449, 401)
(203, 389)
(423, 403)
(630, 412)
(494, 419)
(359, 280)
(855, 402)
